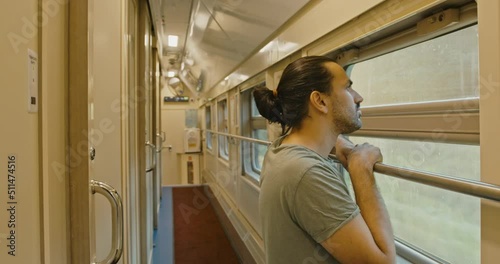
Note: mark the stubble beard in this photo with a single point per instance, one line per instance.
(346, 124)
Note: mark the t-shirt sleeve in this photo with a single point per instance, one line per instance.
(322, 203)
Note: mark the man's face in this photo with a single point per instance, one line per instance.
(345, 101)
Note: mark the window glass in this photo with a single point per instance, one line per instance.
(253, 126)
(223, 127)
(208, 119)
(441, 222)
(442, 68)
(258, 150)
(255, 111)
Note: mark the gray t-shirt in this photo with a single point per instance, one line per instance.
(303, 201)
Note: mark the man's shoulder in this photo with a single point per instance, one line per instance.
(295, 153)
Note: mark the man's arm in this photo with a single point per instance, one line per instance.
(367, 238)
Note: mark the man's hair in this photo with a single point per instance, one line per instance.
(288, 105)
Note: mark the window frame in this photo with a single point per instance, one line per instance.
(223, 127)
(385, 121)
(208, 126)
(250, 123)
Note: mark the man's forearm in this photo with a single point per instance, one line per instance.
(373, 208)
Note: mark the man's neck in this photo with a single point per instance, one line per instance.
(317, 138)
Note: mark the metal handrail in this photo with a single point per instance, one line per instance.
(117, 220)
(415, 255)
(459, 185)
(258, 141)
(469, 187)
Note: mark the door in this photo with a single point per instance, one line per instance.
(157, 134)
(107, 87)
(129, 109)
(146, 135)
(95, 142)
(173, 124)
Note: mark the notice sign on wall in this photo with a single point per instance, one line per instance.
(32, 81)
(11, 205)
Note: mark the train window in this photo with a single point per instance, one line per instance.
(443, 68)
(208, 120)
(223, 127)
(439, 69)
(254, 126)
(258, 150)
(451, 221)
(255, 111)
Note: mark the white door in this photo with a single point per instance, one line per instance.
(105, 65)
(173, 121)
(95, 127)
(146, 133)
(129, 108)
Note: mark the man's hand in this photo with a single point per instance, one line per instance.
(350, 155)
(368, 237)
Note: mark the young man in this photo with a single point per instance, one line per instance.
(306, 211)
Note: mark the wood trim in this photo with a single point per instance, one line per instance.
(78, 123)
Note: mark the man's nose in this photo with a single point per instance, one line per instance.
(357, 98)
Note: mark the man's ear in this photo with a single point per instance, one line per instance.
(317, 101)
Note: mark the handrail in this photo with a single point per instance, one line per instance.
(464, 186)
(415, 255)
(258, 141)
(469, 187)
(116, 220)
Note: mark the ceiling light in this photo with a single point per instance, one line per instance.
(173, 40)
(170, 73)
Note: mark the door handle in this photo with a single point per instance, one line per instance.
(151, 145)
(116, 220)
(155, 152)
(159, 142)
(162, 136)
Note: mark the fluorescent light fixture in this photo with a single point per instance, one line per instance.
(170, 73)
(173, 40)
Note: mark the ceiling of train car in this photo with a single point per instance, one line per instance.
(215, 36)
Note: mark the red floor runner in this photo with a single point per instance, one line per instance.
(198, 235)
